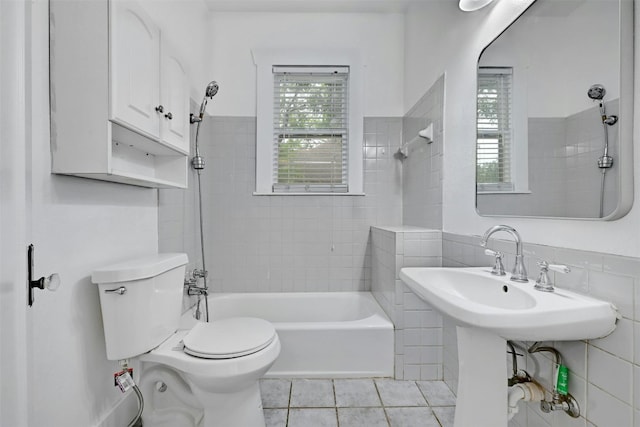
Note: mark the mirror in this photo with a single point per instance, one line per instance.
(555, 113)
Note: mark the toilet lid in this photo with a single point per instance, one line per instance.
(228, 338)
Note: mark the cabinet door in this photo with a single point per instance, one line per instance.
(174, 94)
(134, 73)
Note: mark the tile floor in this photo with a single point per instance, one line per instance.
(379, 402)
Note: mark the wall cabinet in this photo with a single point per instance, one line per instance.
(119, 96)
(174, 98)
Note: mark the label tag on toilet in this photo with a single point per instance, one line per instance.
(124, 381)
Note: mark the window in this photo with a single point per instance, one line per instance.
(309, 122)
(310, 129)
(494, 130)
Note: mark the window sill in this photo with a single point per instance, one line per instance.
(255, 193)
(505, 192)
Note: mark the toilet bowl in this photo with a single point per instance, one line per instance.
(221, 362)
(168, 399)
(232, 355)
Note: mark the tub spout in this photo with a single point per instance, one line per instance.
(196, 290)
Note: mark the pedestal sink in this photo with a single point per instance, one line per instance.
(488, 310)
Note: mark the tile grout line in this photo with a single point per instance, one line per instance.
(289, 402)
(384, 410)
(381, 405)
(428, 404)
(335, 401)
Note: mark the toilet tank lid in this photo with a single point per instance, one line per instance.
(139, 268)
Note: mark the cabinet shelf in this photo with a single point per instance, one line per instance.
(130, 178)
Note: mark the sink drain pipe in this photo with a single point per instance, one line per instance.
(527, 392)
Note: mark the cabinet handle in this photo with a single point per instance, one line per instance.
(169, 115)
(160, 109)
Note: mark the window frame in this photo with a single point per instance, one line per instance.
(329, 83)
(502, 134)
(265, 60)
(519, 162)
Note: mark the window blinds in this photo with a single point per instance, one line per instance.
(494, 127)
(310, 129)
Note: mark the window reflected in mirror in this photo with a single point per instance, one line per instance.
(549, 144)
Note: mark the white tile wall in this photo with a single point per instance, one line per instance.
(562, 168)
(604, 373)
(418, 328)
(281, 243)
(422, 169)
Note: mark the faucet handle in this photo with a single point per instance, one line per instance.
(560, 268)
(498, 267)
(544, 283)
(199, 274)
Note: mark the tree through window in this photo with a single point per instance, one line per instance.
(310, 129)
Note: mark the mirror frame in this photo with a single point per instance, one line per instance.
(626, 118)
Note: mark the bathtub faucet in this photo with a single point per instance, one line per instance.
(199, 274)
(191, 285)
(191, 282)
(193, 289)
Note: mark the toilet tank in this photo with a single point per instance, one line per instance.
(141, 301)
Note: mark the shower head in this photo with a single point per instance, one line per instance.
(209, 92)
(596, 92)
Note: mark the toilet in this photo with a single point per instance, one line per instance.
(221, 361)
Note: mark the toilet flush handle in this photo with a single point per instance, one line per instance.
(120, 291)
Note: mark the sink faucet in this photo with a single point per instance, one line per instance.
(519, 272)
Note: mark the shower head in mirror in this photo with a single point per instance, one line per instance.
(596, 92)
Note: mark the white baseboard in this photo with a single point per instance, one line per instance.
(122, 413)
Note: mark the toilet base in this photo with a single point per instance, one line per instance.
(242, 408)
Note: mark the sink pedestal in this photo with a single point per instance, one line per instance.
(482, 379)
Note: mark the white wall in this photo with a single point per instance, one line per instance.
(554, 82)
(463, 40)
(77, 226)
(429, 40)
(14, 366)
(185, 26)
(282, 243)
(378, 36)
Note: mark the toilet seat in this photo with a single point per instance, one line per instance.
(229, 338)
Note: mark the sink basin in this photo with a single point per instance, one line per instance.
(474, 297)
(488, 310)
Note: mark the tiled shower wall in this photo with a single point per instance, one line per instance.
(418, 328)
(177, 220)
(422, 169)
(281, 243)
(564, 178)
(604, 373)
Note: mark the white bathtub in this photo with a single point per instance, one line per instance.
(323, 334)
